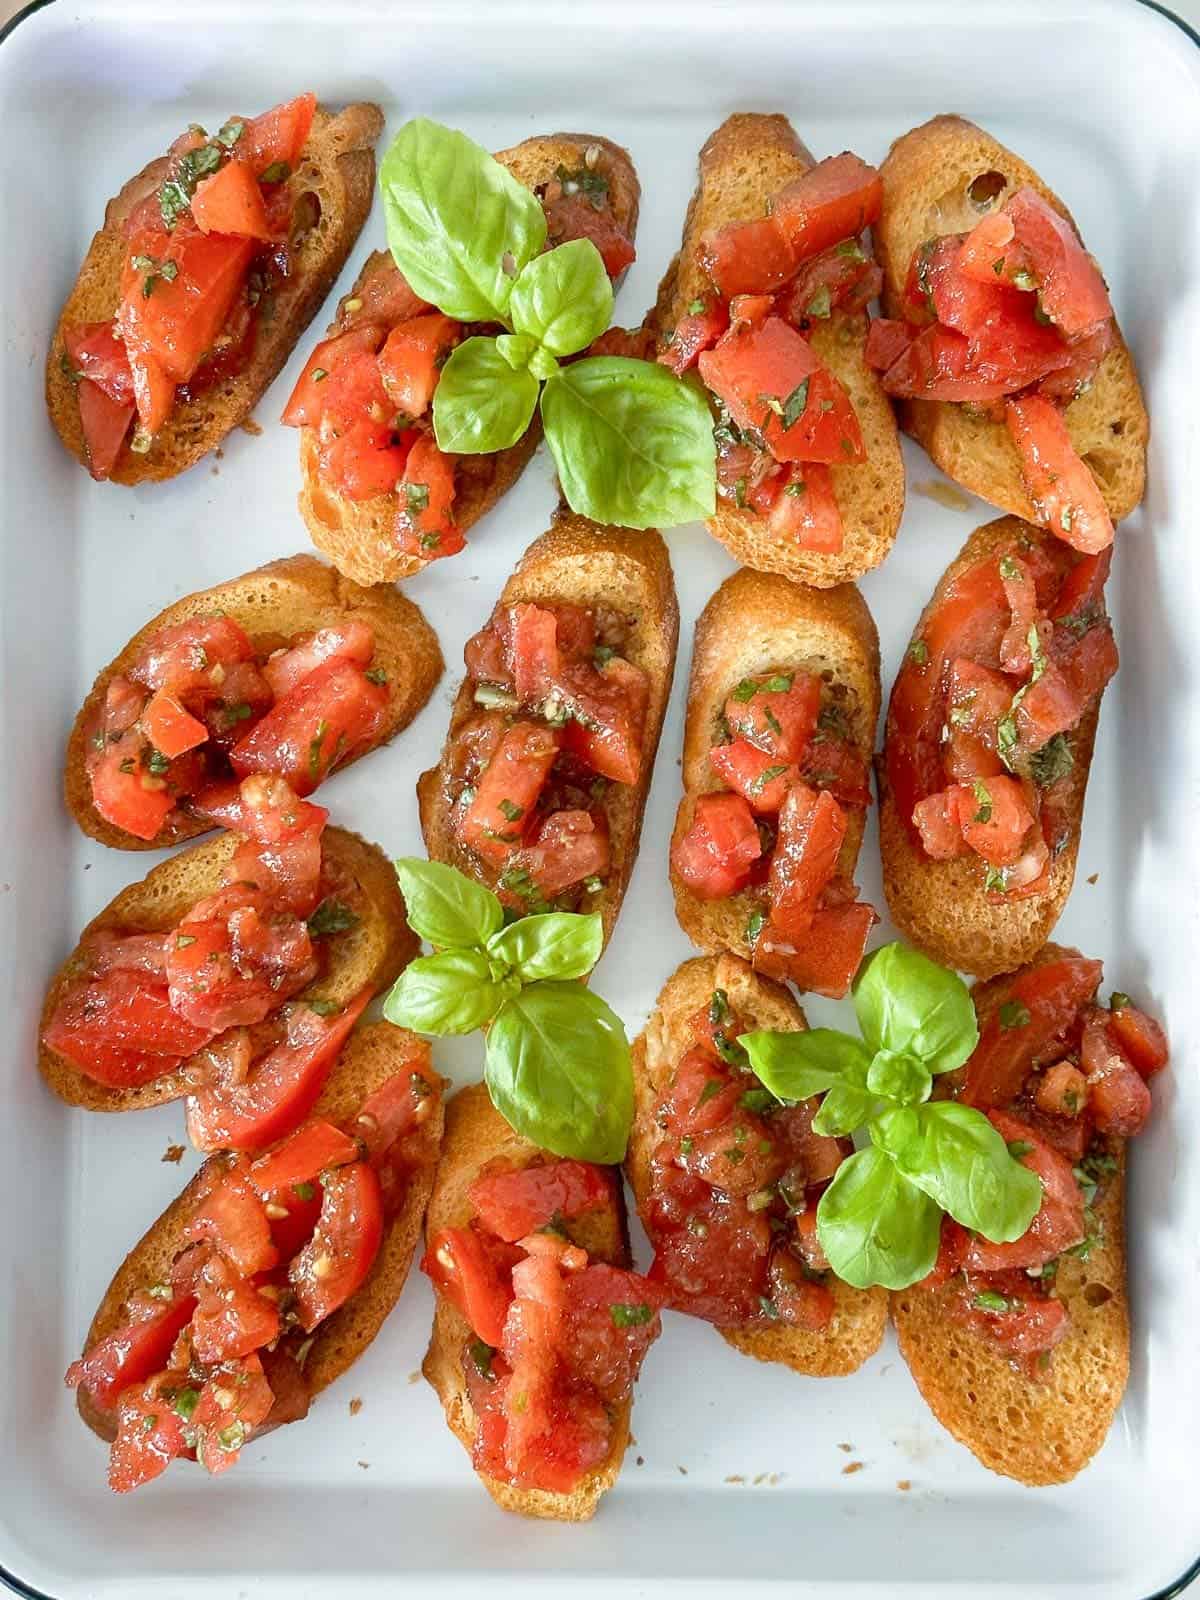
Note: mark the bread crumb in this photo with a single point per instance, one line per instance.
(355, 1406)
(759, 1477)
(904, 1484)
(251, 427)
(173, 1153)
(414, 1377)
(219, 453)
(364, 1465)
(852, 1466)
(641, 1461)
(735, 1477)
(1094, 877)
(846, 1447)
(944, 493)
(682, 1471)
(215, 471)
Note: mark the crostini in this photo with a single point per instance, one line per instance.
(767, 299)
(211, 263)
(230, 974)
(1022, 1349)
(266, 1278)
(378, 497)
(288, 670)
(727, 1180)
(540, 1328)
(782, 706)
(988, 746)
(544, 775)
(1002, 351)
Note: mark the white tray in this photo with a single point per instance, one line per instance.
(1104, 98)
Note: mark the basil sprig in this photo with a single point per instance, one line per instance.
(879, 1221)
(557, 1061)
(632, 442)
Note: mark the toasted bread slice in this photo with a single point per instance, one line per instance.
(331, 190)
(942, 906)
(926, 179)
(742, 165)
(370, 1056)
(359, 536)
(582, 563)
(753, 623)
(860, 1315)
(275, 604)
(1038, 1430)
(476, 1133)
(374, 951)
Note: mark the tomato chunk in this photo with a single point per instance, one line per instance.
(232, 1318)
(748, 257)
(95, 352)
(568, 848)
(716, 854)
(1141, 1038)
(179, 320)
(830, 954)
(1042, 244)
(149, 1437)
(993, 817)
(332, 375)
(230, 201)
(353, 641)
(1118, 1098)
(512, 1204)
(169, 728)
(426, 525)
(806, 512)
(278, 135)
(131, 1354)
(498, 818)
(1039, 1003)
(234, 1401)
(461, 1267)
(412, 358)
(777, 713)
(751, 772)
(105, 423)
(127, 794)
(694, 333)
(1065, 495)
(608, 717)
(329, 716)
(812, 827)
(232, 1216)
(834, 200)
(1058, 1224)
(120, 1029)
(342, 1250)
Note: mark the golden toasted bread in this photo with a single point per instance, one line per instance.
(476, 1133)
(742, 165)
(331, 190)
(359, 536)
(927, 179)
(943, 906)
(582, 563)
(373, 951)
(370, 1056)
(275, 605)
(860, 1314)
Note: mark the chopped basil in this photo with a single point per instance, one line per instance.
(481, 1358)
(332, 916)
(314, 749)
(231, 132)
(851, 250)
(1118, 1000)
(183, 940)
(779, 684)
(796, 488)
(995, 880)
(1008, 568)
(820, 304)
(1052, 762)
(756, 1100)
(376, 675)
(718, 1007)
(238, 712)
(989, 1300)
(603, 654)
(983, 800)
(512, 812)
(585, 181)
(795, 404)
(766, 776)
(416, 497)
(175, 195)
(1014, 1015)
(768, 1308)
(324, 1008)
(712, 1087)
(276, 172)
(157, 763)
(918, 652)
(232, 1437)
(1018, 1148)
(630, 1316)
(745, 691)
(696, 308)
(185, 1403)
(593, 883)
(1006, 737)
(304, 1191)
(754, 926)
(319, 374)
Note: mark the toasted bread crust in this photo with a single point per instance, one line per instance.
(476, 1133)
(276, 603)
(925, 180)
(582, 563)
(747, 160)
(754, 622)
(860, 1314)
(373, 952)
(942, 906)
(359, 536)
(338, 169)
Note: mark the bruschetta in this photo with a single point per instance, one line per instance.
(988, 746)
(266, 1278)
(540, 1328)
(230, 974)
(782, 706)
(544, 775)
(378, 497)
(767, 300)
(727, 1180)
(1022, 1349)
(211, 263)
(1000, 346)
(289, 669)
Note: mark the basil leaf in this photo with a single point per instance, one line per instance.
(482, 403)
(554, 944)
(558, 1071)
(953, 1153)
(846, 1107)
(794, 1066)
(445, 906)
(456, 219)
(875, 1226)
(516, 348)
(910, 1006)
(632, 443)
(453, 992)
(564, 298)
(899, 1078)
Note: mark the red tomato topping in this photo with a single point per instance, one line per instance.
(513, 1204)
(716, 854)
(609, 1319)
(121, 1030)
(149, 1437)
(499, 815)
(812, 827)
(936, 821)
(1029, 1323)
(232, 1216)
(170, 729)
(993, 817)
(1140, 1038)
(230, 201)
(841, 279)
(1064, 493)
(607, 724)
(412, 358)
(126, 793)
(762, 780)
(806, 511)
(573, 216)
(533, 647)
(426, 526)
(312, 1148)
(342, 1250)
(710, 1253)
(326, 719)
(697, 331)
(178, 321)
(464, 1269)
(1038, 1005)
(1058, 1225)
(232, 1318)
(353, 641)
(831, 954)
(778, 714)
(130, 1355)
(887, 341)
(748, 257)
(336, 380)
(1118, 1098)
(278, 135)
(1042, 244)
(834, 200)
(105, 423)
(95, 353)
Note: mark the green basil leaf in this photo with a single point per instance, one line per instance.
(564, 298)
(910, 1006)
(846, 1107)
(482, 403)
(632, 443)
(459, 225)
(794, 1066)
(445, 906)
(553, 944)
(875, 1226)
(953, 1153)
(558, 1071)
(899, 1078)
(453, 992)
(516, 348)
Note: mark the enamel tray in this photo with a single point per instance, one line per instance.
(745, 1480)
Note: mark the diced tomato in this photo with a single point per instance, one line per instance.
(533, 645)
(609, 1320)
(426, 526)
(512, 1204)
(121, 1029)
(1042, 244)
(812, 827)
(306, 1154)
(132, 1353)
(232, 1216)
(128, 794)
(799, 1301)
(713, 1261)
(832, 763)
(149, 1437)
(993, 817)
(342, 1250)
(95, 352)
(841, 279)
(806, 511)
(1062, 1091)
(263, 809)
(401, 1103)
(1029, 1324)
(362, 459)
(277, 135)
(936, 365)
(566, 849)
(170, 729)
(697, 331)
(335, 380)
(1081, 595)
(714, 857)
(751, 309)
(753, 773)
(234, 1401)
(1051, 993)
(778, 713)
(831, 952)
(887, 341)
(608, 717)
(1118, 1098)
(179, 320)
(1055, 703)
(412, 358)
(936, 821)
(1065, 495)
(353, 640)
(469, 1274)
(105, 422)
(153, 390)
(748, 257)
(834, 200)
(181, 657)
(329, 716)
(1068, 382)
(1141, 1038)
(232, 1318)
(952, 1246)
(501, 812)
(1058, 1224)
(236, 957)
(230, 201)
(573, 216)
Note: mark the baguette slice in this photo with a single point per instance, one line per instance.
(476, 1133)
(1042, 1430)
(860, 1315)
(274, 604)
(942, 906)
(358, 536)
(582, 563)
(336, 180)
(755, 622)
(742, 165)
(373, 952)
(926, 178)
(369, 1057)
